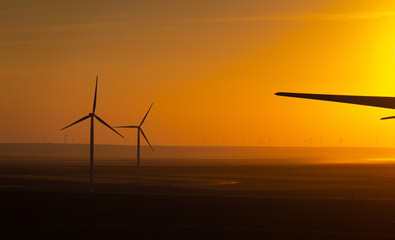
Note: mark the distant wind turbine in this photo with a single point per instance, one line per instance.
(92, 116)
(139, 130)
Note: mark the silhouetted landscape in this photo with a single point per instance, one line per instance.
(261, 193)
(186, 119)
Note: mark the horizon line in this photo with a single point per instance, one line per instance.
(209, 146)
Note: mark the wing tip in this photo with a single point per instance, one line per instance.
(283, 94)
(386, 118)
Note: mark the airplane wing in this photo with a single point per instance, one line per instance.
(383, 102)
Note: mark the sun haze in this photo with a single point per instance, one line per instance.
(210, 67)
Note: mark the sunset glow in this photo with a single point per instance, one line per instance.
(210, 68)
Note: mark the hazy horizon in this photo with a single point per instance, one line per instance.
(192, 155)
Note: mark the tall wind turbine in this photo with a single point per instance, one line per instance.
(139, 130)
(92, 116)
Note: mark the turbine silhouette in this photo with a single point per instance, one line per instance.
(139, 130)
(92, 116)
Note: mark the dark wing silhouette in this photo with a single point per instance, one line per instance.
(146, 139)
(82, 119)
(146, 115)
(383, 102)
(100, 120)
(385, 118)
(94, 100)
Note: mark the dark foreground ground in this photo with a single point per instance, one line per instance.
(39, 200)
(41, 215)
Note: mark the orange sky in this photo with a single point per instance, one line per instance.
(210, 67)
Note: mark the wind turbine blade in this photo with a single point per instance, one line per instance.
(82, 119)
(94, 100)
(146, 139)
(385, 118)
(101, 120)
(146, 115)
(383, 102)
(126, 127)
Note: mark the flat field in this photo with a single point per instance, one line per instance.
(277, 194)
(47, 198)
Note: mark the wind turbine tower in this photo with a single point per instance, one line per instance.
(92, 117)
(65, 138)
(139, 131)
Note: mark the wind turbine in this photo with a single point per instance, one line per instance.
(139, 130)
(92, 116)
(382, 102)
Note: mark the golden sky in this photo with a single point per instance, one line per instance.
(210, 67)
